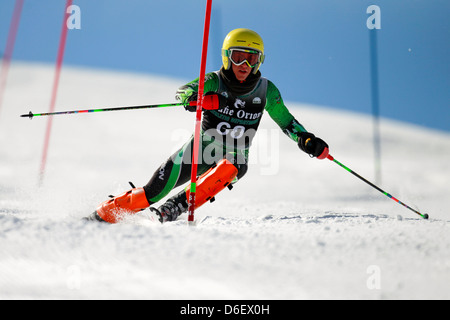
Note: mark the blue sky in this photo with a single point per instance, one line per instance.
(317, 51)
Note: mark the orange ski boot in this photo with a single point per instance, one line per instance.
(115, 208)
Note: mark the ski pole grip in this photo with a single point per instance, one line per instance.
(28, 115)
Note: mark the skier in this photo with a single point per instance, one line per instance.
(226, 135)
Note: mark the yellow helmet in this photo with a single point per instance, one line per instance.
(242, 39)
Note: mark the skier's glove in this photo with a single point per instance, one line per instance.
(214, 101)
(186, 95)
(313, 146)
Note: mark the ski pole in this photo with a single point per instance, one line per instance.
(425, 216)
(209, 102)
(31, 115)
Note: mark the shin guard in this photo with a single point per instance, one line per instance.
(131, 201)
(213, 181)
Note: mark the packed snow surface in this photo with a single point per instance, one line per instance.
(293, 228)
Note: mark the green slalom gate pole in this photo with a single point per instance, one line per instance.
(424, 215)
(31, 115)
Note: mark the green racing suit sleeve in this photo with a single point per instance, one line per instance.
(280, 114)
(189, 91)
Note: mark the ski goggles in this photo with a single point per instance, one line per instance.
(239, 56)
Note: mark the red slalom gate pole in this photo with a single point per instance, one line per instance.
(59, 60)
(14, 26)
(193, 186)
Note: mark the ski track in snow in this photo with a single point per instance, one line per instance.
(294, 228)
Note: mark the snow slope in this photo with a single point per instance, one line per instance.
(294, 228)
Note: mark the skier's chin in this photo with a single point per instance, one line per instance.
(242, 75)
